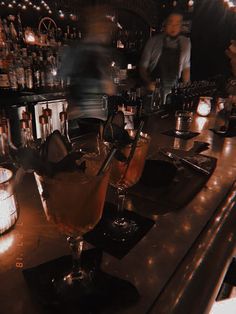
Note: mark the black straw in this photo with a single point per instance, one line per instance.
(134, 144)
(107, 161)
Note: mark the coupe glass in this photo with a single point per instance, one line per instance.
(123, 176)
(74, 202)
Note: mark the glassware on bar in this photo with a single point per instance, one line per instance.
(123, 176)
(183, 121)
(73, 201)
(8, 203)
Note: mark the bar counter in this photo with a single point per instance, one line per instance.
(177, 267)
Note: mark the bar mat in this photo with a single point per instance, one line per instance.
(164, 198)
(187, 136)
(103, 294)
(230, 133)
(99, 235)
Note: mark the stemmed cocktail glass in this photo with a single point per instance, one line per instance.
(73, 201)
(123, 176)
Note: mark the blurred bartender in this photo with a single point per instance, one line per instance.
(231, 53)
(88, 65)
(166, 56)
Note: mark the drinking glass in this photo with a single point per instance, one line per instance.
(123, 176)
(74, 202)
(184, 119)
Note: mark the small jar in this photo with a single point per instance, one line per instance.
(8, 203)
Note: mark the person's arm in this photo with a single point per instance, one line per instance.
(145, 63)
(186, 64)
(186, 75)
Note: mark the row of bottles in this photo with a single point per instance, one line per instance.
(186, 96)
(29, 69)
(128, 39)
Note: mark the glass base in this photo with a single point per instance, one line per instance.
(122, 229)
(181, 132)
(74, 285)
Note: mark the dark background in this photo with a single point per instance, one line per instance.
(213, 25)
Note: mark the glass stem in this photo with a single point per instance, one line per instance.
(76, 245)
(121, 201)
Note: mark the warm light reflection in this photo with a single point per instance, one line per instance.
(227, 148)
(200, 123)
(187, 227)
(150, 261)
(6, 242)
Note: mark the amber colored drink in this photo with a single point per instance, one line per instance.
(120, 174)
(73, 200)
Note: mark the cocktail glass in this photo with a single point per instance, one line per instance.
(74, 202)
(123, 176)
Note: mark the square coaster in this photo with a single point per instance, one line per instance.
(100, 238)
(186, 136)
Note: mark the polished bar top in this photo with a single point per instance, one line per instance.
(151, 264)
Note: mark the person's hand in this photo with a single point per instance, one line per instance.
(151, 86)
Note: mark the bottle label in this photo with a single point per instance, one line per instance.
(20, 75)
(28, 79)
(37, 78)
(13, 80)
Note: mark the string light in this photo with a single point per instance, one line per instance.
(25, 4)
(37, 6)
(190, 3)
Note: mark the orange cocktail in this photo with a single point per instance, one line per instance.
(129, 174)
(74, 200)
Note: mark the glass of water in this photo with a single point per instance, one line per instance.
(183, 120)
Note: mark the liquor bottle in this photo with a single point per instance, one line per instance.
(42, 71)
(20, 31)
(36, 72)
(7, 148)
(2, 35)
(27, 139)
(28, 74)
(64, 124)
(20, 73)
(4, 78)
(12, 75)
(48, 113)
(13, 32)
(49, 72)
(43, 121)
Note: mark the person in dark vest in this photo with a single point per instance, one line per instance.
(166, 56)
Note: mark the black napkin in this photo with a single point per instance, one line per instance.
(186, 136)
(177, 189)
(103, 294)
(100, 238)
(228, 133)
